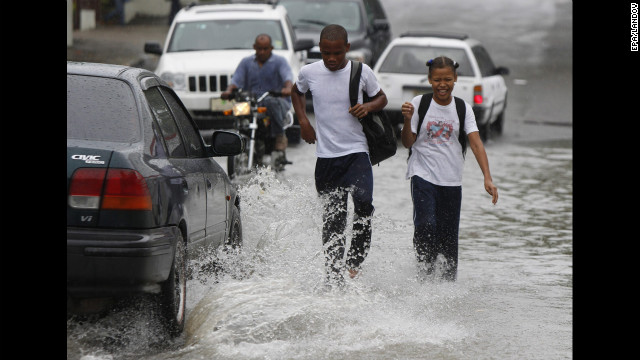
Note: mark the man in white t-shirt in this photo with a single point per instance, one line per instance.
(343, 164)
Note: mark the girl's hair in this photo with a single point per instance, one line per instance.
(442, 62)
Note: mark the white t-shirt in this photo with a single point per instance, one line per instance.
(338, 132)
(437, 153)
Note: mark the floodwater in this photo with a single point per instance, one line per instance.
(513, 298)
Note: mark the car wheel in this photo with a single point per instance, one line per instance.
(234, 240)
(173, 294)
(484, 131)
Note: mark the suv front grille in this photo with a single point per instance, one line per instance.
(208, 83)
(314, 55)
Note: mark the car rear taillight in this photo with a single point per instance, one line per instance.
(477, 94)
(86, 187)
(124, 189)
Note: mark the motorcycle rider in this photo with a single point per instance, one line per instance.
(261, 72)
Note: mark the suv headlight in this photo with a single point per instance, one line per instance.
(175, 80)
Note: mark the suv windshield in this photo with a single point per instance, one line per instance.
(313, 14)
(408, 59)
(224, 35)
(101, 109)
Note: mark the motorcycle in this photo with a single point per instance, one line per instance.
(253, 125)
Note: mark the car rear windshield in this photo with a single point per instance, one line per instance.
(101, 109)
(409, 59)
(225, 35)
(318, 14)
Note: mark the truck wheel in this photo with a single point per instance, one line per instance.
(173, 294)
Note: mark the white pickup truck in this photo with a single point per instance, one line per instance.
(402, 74)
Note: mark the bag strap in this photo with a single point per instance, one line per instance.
(462, 136)
(354, 82)
(425, 101)
(461, 109)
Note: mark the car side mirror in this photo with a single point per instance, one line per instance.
(226, 143)
(303, 44)
(153, 48)
(501, 70)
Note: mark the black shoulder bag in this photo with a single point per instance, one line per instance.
(377, 126)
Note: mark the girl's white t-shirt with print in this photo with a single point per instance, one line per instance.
(437, 153)
(338, 132)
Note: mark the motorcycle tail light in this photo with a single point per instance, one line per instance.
(241, 108)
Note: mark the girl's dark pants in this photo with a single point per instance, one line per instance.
(335, 179)
(436, 218)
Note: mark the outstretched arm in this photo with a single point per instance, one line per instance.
(483, 161)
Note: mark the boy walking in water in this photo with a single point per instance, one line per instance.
(343, 164)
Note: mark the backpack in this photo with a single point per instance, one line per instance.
(377, 126)
(461, 109)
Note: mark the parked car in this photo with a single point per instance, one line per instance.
(402, 73)
(144, 194)
(365, 21)
(205, 44)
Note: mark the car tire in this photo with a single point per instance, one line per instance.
(173, 294)
(234, 240)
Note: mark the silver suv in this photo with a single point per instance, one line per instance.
(205, 44)
(402, 73)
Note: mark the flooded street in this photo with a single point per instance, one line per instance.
(513, 298)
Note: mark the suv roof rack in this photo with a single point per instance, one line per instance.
(447, 35)
(274, 3)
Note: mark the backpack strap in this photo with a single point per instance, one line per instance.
(425, 101)
(462, 136)
(354, 82)
(461, 109)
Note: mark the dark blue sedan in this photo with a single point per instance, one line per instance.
(144, 195)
